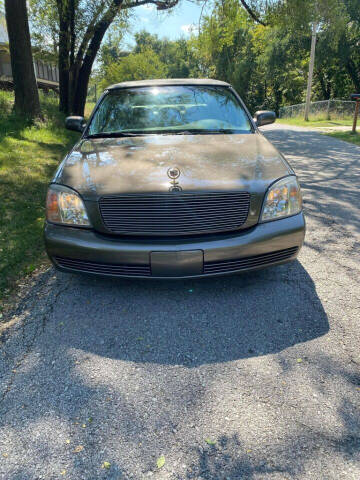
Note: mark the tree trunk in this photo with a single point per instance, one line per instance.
(64, 75)
(311, 72)
(82, 81)
(354, 74)
(81, 88)
(64, 55)
(26, 91)
(325, 85)
(278, 98)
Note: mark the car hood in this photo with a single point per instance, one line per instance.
(246, 162)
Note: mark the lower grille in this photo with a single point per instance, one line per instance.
(104, 268)
(182, 213)
(249, 262)
(145, 270)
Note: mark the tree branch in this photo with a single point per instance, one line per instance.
(252, 13)
(161, 4)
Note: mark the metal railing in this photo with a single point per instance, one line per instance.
(45, 74)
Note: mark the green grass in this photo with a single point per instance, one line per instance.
(346, 136)
(29, 156)
(315, 123)
(89, 107)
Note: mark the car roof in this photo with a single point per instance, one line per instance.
(170, 81)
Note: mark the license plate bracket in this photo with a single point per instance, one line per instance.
(180, 263)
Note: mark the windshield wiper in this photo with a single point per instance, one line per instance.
(112, 135)
(187, 131)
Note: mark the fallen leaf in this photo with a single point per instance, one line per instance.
(106, 465)
(63, 472)
(78, 449)
(83, 425)
(299, 360)
(209, 441)
(160, 462)
(67, 440)
(5, 455)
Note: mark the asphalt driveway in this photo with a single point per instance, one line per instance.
(246, 377)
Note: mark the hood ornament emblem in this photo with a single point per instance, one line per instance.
(174, 173)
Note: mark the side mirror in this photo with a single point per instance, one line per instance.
(77, 124)
(264, 117)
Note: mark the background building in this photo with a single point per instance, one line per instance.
(47, 75)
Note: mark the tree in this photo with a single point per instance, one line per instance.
(80, 28)
(227, 49)
(26, 92)
(136, 66)
(348, 45)
(177, 55)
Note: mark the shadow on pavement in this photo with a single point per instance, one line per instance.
(194, 322)
(111, 349)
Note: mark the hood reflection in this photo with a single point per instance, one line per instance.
(140, 164)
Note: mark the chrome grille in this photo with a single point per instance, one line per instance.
(174, 213)
(249, 262)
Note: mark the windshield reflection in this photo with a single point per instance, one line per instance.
(169, 109)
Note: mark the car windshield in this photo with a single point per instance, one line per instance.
(169, 109)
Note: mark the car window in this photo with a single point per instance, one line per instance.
(170, 108)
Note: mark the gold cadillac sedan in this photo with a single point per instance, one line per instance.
(172, 179)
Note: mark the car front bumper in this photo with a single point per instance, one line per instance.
(86, 251)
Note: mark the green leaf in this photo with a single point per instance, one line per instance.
(160, 462)
(209, 441)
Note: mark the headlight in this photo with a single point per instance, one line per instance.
(65, 206)
(283, 199)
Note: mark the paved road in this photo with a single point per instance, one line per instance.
(248, 377)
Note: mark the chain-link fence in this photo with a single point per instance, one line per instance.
(323, 110)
